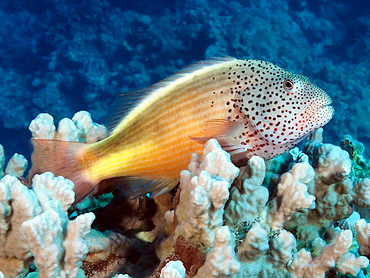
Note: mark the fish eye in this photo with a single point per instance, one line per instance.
(288, 84)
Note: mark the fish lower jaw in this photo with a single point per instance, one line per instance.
(324, 110)
(319, 118)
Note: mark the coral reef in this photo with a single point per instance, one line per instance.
(204, 191)
(222, 221)
(35, 228)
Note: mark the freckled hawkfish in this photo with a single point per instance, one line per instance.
(251, 107)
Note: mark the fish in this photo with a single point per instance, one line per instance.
(251, 107)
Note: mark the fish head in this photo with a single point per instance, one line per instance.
(284, 107)
(314, 106)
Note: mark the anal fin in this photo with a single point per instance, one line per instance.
(138, 186)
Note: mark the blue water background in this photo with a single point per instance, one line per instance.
(61, 56)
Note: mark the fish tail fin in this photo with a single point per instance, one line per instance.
(65, 159)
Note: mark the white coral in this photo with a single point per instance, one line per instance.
(363, 237)
(67, 131)
(57, 255)
(106, 244)
(247, 203)
(42, 127)
(361, 192)
(173, 269)
(204, 191)
(80, 128)
(331, 164)
(75, 245)
(254, 245)
(17, 205)
(35, 223)
(221, 261)
(88, 131)
(47, 187)
(281, 249)
(333, 256)
(17, 165)
(291, 195)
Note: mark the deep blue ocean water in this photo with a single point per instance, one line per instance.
(61, 56)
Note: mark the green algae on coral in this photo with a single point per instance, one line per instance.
(360, 165)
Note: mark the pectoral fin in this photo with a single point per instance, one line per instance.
(226, 132)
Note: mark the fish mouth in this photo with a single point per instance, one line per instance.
(318, 113)
(327, 102)
(328, 110)
(326, 106)
(321, 112)
(322, 103)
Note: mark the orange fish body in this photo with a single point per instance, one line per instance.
(251, 107)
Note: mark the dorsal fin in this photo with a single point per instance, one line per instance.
(122, 105)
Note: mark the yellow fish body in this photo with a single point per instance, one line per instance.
(251, 107)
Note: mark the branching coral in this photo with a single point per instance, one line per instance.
(333, 256)
(363, 237)
(18, 204)
(332, 188)
(204, 192)
(221, 261)
(292, 195)
(247, 202)
(16, 166)
(59, 250)
(81, 128)
(204, 231)
(174, 269)
(266, 249)
(35, 225)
